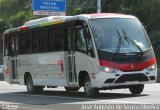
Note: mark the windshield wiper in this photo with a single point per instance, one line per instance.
(120, 42)
(127, 38)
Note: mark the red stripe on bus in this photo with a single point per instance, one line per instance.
(107, 14)
(130, 66)
(6, 70)
(23, 28)
(60, 62)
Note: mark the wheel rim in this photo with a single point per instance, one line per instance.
(88, 86)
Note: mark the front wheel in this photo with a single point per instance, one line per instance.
(31, 88)
(89, 90)
(136, 89)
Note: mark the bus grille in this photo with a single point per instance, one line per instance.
(132, 77)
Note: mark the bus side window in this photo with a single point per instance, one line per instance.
(51, 40)
(90, 48)
(42, 40)
(35, 41)
(6, 46)
(59, 44)
(13, 44)
(25, 43)
(80, 41)
(10, 49)
(84, 42)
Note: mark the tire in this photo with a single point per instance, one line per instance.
(70, 89)
(136, 89)
(31, 88)
(89, 90)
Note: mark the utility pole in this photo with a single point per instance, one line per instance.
(99, 6)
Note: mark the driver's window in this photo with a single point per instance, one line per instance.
(81, 42)
(84, 42)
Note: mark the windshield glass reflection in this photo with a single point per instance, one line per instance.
(107, 38)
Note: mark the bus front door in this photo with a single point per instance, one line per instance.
(13, 59)
(10, 58)
(71, 76)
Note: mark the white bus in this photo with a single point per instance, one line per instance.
(95, 51)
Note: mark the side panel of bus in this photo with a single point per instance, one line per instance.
(7, 68)
(42, 56)
(45, 69)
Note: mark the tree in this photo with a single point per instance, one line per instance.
(3, 26)
(13, 13)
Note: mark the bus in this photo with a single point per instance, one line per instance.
(99, 51)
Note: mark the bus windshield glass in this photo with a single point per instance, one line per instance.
(128, 32)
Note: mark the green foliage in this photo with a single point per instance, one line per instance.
(75, 7)
(18, 19)
(3, 26)
(13, 13)
(77, 11)
(147, 11)
(111, 5)
(155, 39)
(16, 12)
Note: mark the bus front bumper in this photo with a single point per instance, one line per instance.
(103, 79)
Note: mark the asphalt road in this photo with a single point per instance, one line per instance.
(1, 77)
(58, 99)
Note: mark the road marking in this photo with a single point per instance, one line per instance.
(2, 102)
(86, 99)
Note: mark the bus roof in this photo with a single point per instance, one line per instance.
(108, 15)
(51, 20)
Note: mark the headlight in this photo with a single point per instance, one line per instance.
(151, 68)
(108, 69)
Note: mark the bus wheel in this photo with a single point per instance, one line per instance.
(31, 88)
(136, 89)
(89, 90)
(70, 89)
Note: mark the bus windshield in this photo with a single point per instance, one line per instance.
(108, 39)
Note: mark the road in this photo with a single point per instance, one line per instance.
(1, 77)
(53, 99)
